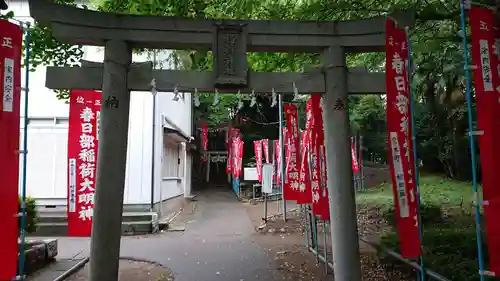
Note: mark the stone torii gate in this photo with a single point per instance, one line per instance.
(230, 40)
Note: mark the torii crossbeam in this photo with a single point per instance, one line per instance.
(140, 75)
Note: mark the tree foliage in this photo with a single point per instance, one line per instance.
(438, 58)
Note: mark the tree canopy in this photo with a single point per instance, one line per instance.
(437, 53)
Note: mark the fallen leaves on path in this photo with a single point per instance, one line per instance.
(297, 263)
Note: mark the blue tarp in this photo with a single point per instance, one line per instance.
(236, 184)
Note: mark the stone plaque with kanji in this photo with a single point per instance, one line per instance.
(230, 62)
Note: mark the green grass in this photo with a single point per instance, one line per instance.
(435, 190)
(449, 245)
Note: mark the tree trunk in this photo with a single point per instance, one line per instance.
(3, 5)
(497, 6)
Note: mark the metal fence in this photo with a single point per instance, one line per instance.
(318, 237)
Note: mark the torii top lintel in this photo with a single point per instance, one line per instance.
(80, 26)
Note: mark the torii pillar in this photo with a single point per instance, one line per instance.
(343, 222)
(111, 162)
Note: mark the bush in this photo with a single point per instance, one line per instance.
(449, 252)
(430, 214)
(31, 215)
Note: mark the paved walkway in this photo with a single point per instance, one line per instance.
(218, 244)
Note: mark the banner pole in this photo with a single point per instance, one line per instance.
(351, 141)
(325, 245)
(310, 217)
(308, 208)
(472, 142)
(415, 157)
(306, 214)
(265, 204)
(356, 153)
(282, 153)
(316, 239)
(22, 244)
(276, 183)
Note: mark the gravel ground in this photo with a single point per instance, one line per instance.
(286, 242)
(295, 262)
(370, 224)
(132, 271)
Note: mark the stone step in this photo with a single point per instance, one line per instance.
(61, 217)
(58, 229)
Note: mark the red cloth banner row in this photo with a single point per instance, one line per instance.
(303, 185)
(10, 104)
(83, 143)
(399, 130)
(486, 58)
(258, 146)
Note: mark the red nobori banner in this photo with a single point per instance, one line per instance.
(228, 136)
(485, 56)
(304, 192)
(83, 145)
(229, 147)
(355, 166)
(10, 85)
(204, 142)
(399, 129)
(257, 147)
(285, 137)
(234, 155)
(232, 134)
(277, 154)
(325, 213)
(293, 157)
(320, 201)
(265, 145)
(237, 157)
(239, 163)
(235, 135)
(229, 161)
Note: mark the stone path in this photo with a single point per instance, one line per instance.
(218, 244)
(132, 271)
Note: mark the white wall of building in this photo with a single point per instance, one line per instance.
(176, 163)
(48, 131)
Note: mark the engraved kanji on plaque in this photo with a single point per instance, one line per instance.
(230, 61)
